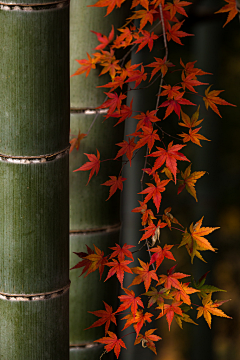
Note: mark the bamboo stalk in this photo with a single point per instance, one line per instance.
(34, 116)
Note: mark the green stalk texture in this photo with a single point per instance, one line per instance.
(34, 120)
(93, 220)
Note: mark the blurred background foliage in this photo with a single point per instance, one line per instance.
(217, 50)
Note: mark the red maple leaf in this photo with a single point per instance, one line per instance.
(154, 192)
(146, 119)
(85, 263)
(138, 320)
(125, 113)
(113, 103)
(171, 155)
(93, 165)
(113, 343)
(130, 300)
(174, 104)
(138, 76)
(152, 230)
(145, 16)
(173, 33)
(98, 261)
(159, 65)
(160, 254)
(148, 136)
(144, 275)
(118, 268)
(121, 252)
(106, 317)
(171, 279)
(189, 81)
(103, 39)
(146, 39)
(147, 214)
(127, 148)
(177, 6)
(170, 310)
(115, 183)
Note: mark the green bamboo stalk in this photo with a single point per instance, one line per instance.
(34, 116)
(92, 219)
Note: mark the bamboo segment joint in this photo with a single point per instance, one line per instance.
(33, 7)
(84, 346)
(34, 159)
(88, 111)
(35, 297)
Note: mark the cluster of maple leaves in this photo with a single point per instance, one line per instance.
(167, 287)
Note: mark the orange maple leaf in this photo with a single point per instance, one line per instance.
(144, 275)
(93, 165)
(193, 136)
(114, 102)
(231, 7)
(103, 39)
(147, 214)
(167, 216)
(85, 263)
(211, 99)
(138, 320)
(209, 307)
(154, 192)
(148, 339)
(115, 183)
(171, 155)
(130, 300)
(183, 293)
(109, 3)
(145, 16)
(189, 181)
(75, 142)
(86, 65)
(177, 6)
(106, 317)
(196, 241)
(160, 65)
(118, 268)
(112, 343)
(153, 231)
(190, 123)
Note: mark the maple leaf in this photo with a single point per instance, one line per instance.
(170, 310)
(231, 7)
(154, 192)
(112, 343)
(144, 3)
(144, 275)
(189, 181)
(148, 136)
(171, 279)
(204, 289)
(209, 307)
(183, 293)
(145, 16)
(115, 183)
(160, 254)
(147, 214)
(196, 240)
(127, 147)
(193, 136)
(146, 119)
(113, 103)
(118, 268)
(98, 261)
(109, 3)
(158, 297)
(159, 65)
(153, 231)
(190, 123)
(125, 113)
(138, 76)
(148, 339)
(118, 81)
(146, 39)
(125, 39)
(85, 263)
(189, 81)
(138, 320)
(110, 66)
(179, 319)
(171, 155)
(103, 39)
(130, 300)
(106, 317)
(211, 99)
(86, 65)
(169, 218)
(121, 252)
(93, 165)
(177, 6)
(174, 104)
(75, 142)
(173, 33)
(190, 69)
